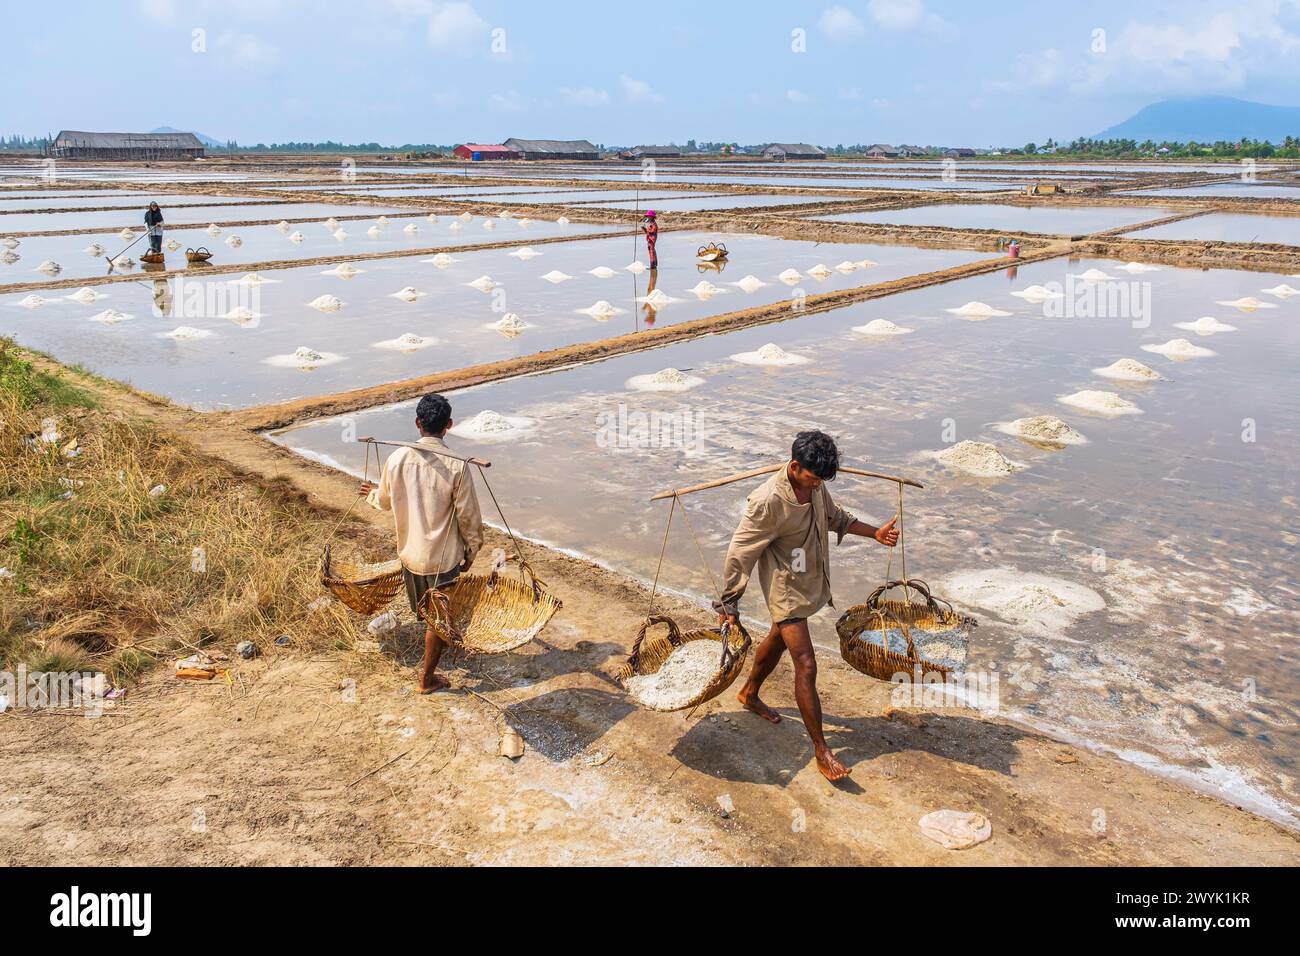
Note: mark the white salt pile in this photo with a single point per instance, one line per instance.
(442, 260)
(454, 227)
(562, 221)
(656, 299)
(185, 333)
(9, 242)
(410, 229)
(344, 270)
(32, 302)
(465, 217)
(525, 252)
(331, 224)
(297, 237)
(172, 245)
(523, 223)
(340, 234)
(664, 380)
(770, 354)
(790, 276)
(432, 217)
(600, 310)
(373, 232)
(504, 214)
(1282, 291)
(123, 263)
(1043, 429)
(881, 327)
(636, 268)
(86, 296)
(846, 267)
(1138, 267)
(9, 257)
(304, 358)
(252, 278)
(406, 342)
(1128, 370)
(1044, 604)
(976, 310)
(820, 271)
(750, 283)
(488, 425)
(1101, 403)
(283, 226)
(1248, 304)
(954, 830)
(241, 315)
(483, 284)
(704, 289)
(49, 267)
(556, 276)
(1178, 349)
(383, 220)
(977, 458)
(601, 272)
(214, 229)
(109, 317)
(866, 263)
(326, 303)
(408, 293)
(1093, 275)
(94, 249)
(1038, 293)
(1206, 325)
(233, 241)
(510, 324)
(679, 679)
(126, 235)
(489, 224)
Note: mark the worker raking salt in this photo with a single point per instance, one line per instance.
(785, 531)
(651, 230)
(153, 220)
(436, 511)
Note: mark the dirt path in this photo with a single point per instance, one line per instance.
(334, 760)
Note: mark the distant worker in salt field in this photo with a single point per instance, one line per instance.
(153, 220)
(436, 511)
(785, 532)
(651, 230)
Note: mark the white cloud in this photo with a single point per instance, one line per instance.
(840, 25)
(638, 91)
(247, 49)
(159, 11)
(586, 96)
(508, 102)
(453, 27)
(797, 96)
(907, 15)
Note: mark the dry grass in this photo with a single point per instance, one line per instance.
(117, 577)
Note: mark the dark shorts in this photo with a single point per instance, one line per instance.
(791, 620)
(417, 584)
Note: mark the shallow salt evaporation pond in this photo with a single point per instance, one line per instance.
(1182, 532)
(1227, 227)
(1235, 188)
(1049, 220)
(268, 243)
(227, 366)
(111, 220)
(114, 199)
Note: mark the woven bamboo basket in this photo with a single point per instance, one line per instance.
(152, 258)
(863, 624)
(649, 655)
(201, 254)
(363, 587)
(713, 252)
(490, 614)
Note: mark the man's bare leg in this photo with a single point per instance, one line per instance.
(433, 648)
(798, 641)
(766, 657)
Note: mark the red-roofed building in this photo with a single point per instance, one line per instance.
(476, 152)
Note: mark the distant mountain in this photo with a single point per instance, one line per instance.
(205, 140)
(1208, 119)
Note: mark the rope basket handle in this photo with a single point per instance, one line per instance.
(883, 613)
(674, 637)
(435, 608)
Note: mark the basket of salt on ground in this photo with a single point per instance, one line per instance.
(683, 669)
(883, 636)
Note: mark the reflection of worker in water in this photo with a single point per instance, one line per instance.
(651, 230)
(162, 298)
(153, 219)
(650, 311)
(783, 540)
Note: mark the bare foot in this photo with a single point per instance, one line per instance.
(437, 682)
(752, 704)
(830, 767)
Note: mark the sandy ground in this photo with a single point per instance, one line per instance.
(333, 759)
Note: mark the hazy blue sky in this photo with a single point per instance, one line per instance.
(616, 72)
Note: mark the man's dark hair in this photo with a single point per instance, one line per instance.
(816, 452)
(433, 413)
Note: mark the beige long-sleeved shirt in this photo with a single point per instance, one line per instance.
(434, 506)
(788, 542)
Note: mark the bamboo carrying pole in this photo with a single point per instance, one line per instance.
(482, 463)
(767, 470)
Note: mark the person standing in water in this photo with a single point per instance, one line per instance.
(651, 230)
(153, 220)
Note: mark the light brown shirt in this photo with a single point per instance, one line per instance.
(434, 506)
(788, 542)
